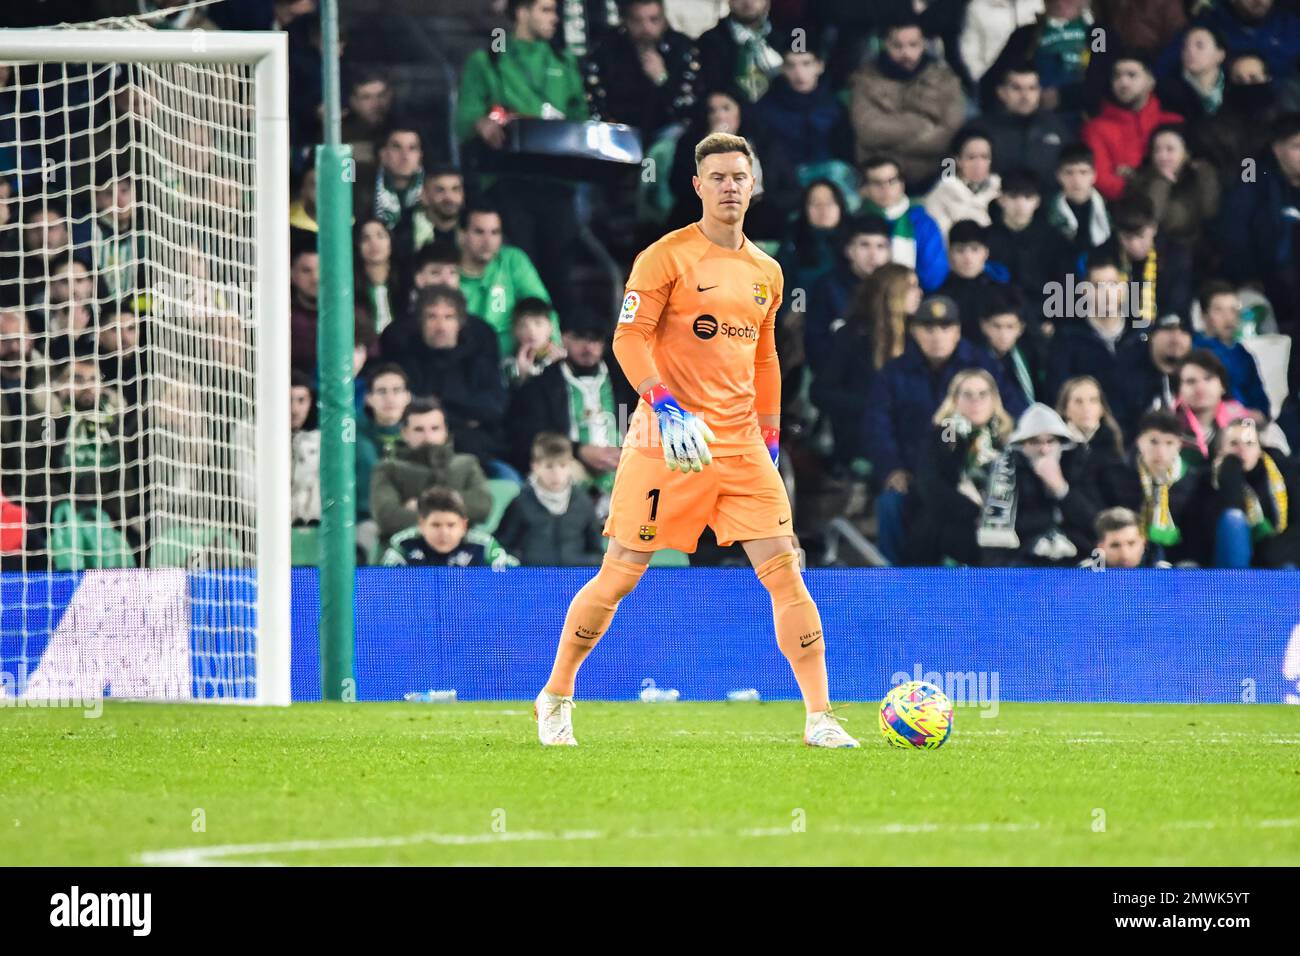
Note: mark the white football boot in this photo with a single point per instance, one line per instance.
(822, 729)
(554, 715)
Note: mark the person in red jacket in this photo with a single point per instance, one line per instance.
(1118, 134)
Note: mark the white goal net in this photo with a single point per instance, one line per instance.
(144, 365)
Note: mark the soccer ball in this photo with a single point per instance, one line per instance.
(916, 714)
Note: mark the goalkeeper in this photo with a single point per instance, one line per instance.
(696, 337)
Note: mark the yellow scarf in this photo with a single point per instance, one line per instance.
(1260, 526)
(1156, 516)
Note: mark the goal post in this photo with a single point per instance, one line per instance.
(195, 605)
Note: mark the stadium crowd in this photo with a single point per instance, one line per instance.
(1040, 260)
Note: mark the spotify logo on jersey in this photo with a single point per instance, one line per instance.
(706, 327)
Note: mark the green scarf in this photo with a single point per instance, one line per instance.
(591, 414)
(1212, 100)
(900, 223)
(756, 62)
(92, 443)
(1260, 525)
(390, 202)
(1156, 516)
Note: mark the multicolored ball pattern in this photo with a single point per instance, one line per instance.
(916, 715)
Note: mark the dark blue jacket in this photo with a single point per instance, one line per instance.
(1247, 387)
(972, 295)
(1141, 387)
(1014, 399)
(829, 299)
(1077, 349)
(1257, 233)
(1276, 38)
(841, 388)
(904, 397)
(813, 127)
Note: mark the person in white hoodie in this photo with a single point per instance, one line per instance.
(989, 24)
(968, 185)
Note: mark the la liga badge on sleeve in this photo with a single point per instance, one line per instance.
(631, 302)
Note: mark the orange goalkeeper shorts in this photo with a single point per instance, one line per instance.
(741, 497)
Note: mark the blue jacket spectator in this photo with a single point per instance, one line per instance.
(1221, 315)
(1147, 372)
(1258, 226)
(913, 230)
(904, 396)
(915, 238)
(1276, 35)
(805, 115)
(1079, 348)
(1247, 387)
(864, 242)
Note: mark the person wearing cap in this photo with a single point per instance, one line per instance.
(1148, 371)
(907, 391)
(1092, 346)
(1037, 509)
(1119, 133)
(574, 397)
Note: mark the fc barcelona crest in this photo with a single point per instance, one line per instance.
(647, 532)
(760, 293)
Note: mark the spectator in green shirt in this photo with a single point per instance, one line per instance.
(494, 276)
(526, 77)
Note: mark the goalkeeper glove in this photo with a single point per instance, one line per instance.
(685, 438)
(772, 439)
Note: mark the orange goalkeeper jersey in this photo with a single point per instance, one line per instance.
(702, 319)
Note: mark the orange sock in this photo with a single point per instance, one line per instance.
(798, 627)
(589, 615)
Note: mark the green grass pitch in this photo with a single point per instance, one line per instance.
(1068, 784)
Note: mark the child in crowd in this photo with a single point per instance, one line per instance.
(551, 522)
(442, 538)
(1169, 487)
(1078, 211)
(535, 345)
(1002, 329)
(971, 282)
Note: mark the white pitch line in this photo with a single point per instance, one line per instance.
(216, 855)
(198, 855)
(228, 854)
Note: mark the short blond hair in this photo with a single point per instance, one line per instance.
(722, 143)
